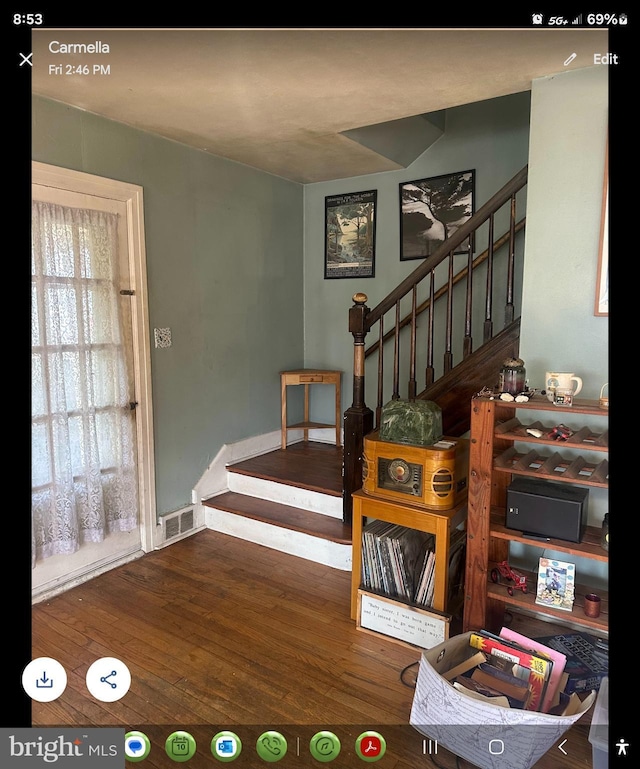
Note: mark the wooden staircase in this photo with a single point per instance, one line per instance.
(289, 500)
(298, 500)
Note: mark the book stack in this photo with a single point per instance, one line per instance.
(513, 671)
(399, 562)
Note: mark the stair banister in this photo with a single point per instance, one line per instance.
(452, 243)
(358, 419)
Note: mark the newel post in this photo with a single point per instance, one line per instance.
(358, 419)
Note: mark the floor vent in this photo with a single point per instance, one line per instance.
(178, 523)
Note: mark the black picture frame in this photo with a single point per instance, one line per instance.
(433, 209)
(350, 235)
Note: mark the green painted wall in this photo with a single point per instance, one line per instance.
(569, 118)
(224, 260)
(491, 137)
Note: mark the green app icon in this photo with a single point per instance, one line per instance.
(271, 746)
(324, 746)
(180, 746)
(136, 746)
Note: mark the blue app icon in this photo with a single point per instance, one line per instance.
(226, 746)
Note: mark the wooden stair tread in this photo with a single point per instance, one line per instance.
(310, 465)
(285, 516)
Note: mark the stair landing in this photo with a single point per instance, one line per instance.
(290, 500)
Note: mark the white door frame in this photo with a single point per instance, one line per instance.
(131, 194)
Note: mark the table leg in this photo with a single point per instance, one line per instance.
(283, 398)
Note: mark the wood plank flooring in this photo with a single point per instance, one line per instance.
(219, 633)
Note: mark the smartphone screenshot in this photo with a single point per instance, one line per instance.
(319, 390)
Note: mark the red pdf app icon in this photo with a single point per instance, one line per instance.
(370, 746)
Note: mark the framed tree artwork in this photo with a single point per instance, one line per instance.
(431, 210)
(350, 235)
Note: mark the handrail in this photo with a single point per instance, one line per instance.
(359, 418)
(461, 275)
(449, 245)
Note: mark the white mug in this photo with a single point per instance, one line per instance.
(555, 380)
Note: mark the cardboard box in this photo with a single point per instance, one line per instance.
(487, 735)
(599, 730)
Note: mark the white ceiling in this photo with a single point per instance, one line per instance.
(280, 100)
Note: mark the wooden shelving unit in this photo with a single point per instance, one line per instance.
(440, 523)
(494, 459)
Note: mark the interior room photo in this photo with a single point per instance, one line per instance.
(290, 285)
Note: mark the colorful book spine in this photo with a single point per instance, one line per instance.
(539, 667)
(559, 662)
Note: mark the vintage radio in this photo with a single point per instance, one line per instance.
(434, 477)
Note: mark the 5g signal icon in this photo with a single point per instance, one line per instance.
(577, 20)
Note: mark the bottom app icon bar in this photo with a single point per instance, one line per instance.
(271, 746)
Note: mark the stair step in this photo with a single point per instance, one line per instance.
(309, 465)
(284, 516)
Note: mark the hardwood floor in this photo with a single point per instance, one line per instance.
(218, 634)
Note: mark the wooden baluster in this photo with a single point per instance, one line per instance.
(488, 307)
(448, 355)
(468, 340)
(380, 372)
(509, 311)
(396, 355)
(412, 353)
(429, 372)
(358, 419)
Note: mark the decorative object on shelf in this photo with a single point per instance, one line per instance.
(603, 401)
(561, 380)
(431, 210)
(560, 432)
(350, 230)
(418, 423)
(563, 397)
(604, 540)
(592, 605)
(513, 377)
(504, 571)
(556, 584)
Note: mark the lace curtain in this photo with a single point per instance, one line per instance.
(84, 482)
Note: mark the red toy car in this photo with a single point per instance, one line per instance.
(504, 571)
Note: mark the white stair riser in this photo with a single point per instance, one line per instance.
(322, 551)
(286, 495)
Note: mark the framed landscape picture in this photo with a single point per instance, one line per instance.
(350, 235)
(431, 210)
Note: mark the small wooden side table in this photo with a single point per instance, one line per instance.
(307, 377)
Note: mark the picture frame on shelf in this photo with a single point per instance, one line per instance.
(556, 584)
(432, 209)
(350, 235)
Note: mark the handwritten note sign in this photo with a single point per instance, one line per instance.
(418, 627)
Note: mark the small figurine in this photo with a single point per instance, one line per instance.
(504, 570)
(560, 433)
